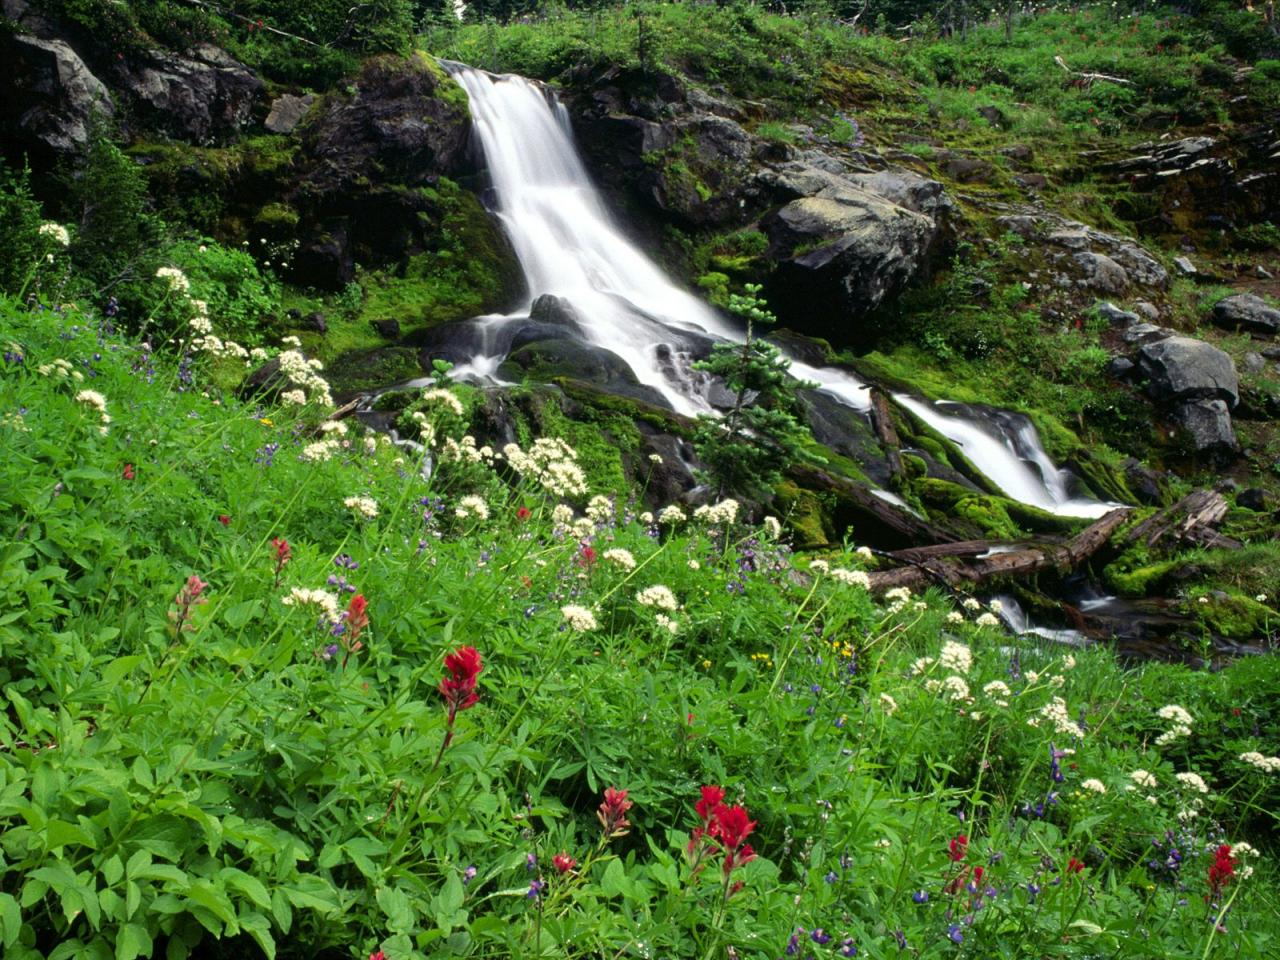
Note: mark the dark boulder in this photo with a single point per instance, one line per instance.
(1248, 313)
(326, 262)
(1208, 424)
(315, 321)
(555, 311)
(48, 96)
(574, 360)
(1254, 498)
(840, 254)
(1182, 369)
(388, 328)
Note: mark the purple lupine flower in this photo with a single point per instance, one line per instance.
(901, 938)
(831, 876)
(920, 896)
(793, 944)
(531, 862)
(468, 874)
(535, 889)
(955, 933)
(820, 937)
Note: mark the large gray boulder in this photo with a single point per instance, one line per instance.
(1182, 368)
(841, 252)
(49, 94)
(1246, 312)
(1208, 425)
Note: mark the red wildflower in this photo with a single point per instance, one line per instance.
(284, 553)
(977, 874)
(613, 813)
(128, 471)
(458, 689)
(1222, 870)
(587, 555)
(958, 847)
(524, 513)
(563, 862)
(712, 798)
(1074, 865)
(224, 519)
(379, 955)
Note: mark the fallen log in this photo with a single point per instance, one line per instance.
(902, 524)
(1192, 521)
(882, 423)
(1019, 562)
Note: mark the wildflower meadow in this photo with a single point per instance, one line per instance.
(275, 685)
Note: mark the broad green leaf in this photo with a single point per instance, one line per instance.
(132, 940)
(11, 917)
(398, 909)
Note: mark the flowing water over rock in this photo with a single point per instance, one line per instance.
(621, 303)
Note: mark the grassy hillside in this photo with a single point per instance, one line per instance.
(226, 625)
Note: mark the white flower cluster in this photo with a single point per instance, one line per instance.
(578, 618)
(550, 462)
(658, 596)
(955, 616)
(987, 620)
(669, 624)
(177, 280)
(472, 506)
(96, 400)
(56, 232)
(304, 374)
(726, 511)
(333, 426)
(600, 509)
(671, 514)
(293, 398)
(956, 657)
(301, 596)
(59, 368)
(1144, 778)
(219, 347)
(465, 451)
(320, 451)
(851, 578)
(365, 507)
(888, 704)
(970, 604)
(921, 665)
(773, 528)
(1192, 781)
(562, 515)
(999, 692)
(444, 398)
(1056, 713)
(1096, 786)
(1241, 851)
(1180, 720)
(621, 558)
(1265, 764)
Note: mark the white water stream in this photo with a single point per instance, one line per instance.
(569, 246)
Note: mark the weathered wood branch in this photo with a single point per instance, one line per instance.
(256, 24)
(1089, 78)
(1019, 562)
(859, 500)
(1193, 520)
(882, 423)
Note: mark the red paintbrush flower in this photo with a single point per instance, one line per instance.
(1074, 865)
(612, 813)
(524, 513)
(958, 847)
(1222, 870)
(128, 471)
(459, 688)
(224, 519)
(563, 862)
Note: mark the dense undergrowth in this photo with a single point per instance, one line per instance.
(225, 626)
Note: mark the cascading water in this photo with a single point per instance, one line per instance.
(569, 247)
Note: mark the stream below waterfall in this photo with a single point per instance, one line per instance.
(621, 302)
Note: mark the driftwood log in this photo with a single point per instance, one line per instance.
(1020, 561)
(858, 499)
(882, 423)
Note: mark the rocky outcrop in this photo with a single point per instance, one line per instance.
(1085, 257)
(844, 234)
(50, 95)
(1207, 424)
(1248, 313)
(203, 96)
(287, 112)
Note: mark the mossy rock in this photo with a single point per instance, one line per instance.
(803, 512)
(1232, 615)
(1138, 581)
(362, 370)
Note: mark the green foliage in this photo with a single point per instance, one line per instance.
(223, 768)
(105, 197)
(749, 449)
(243, 302)
(21, 246)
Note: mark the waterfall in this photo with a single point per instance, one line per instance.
(569, 246)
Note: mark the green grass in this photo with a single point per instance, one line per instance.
(206, 778)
